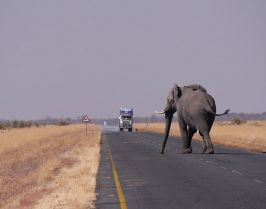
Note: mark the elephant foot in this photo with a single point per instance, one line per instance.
(209, 151)
(203, 147)
(203, 150)
(186, 151)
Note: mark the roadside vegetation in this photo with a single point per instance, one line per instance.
(49, 167)
(250, 135)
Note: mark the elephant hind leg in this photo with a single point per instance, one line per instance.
(207, 146)
(187, 140)
(203, 144)
(191, 132)
(184, 135)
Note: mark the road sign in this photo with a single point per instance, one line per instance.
(86, 119)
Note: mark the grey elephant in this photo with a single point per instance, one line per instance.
(196, 110)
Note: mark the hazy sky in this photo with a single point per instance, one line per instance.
(64, 58)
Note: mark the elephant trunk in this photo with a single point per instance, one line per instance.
(168, 121)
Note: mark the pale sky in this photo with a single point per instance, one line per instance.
(63, 58)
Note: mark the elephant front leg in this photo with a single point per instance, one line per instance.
(186, 143)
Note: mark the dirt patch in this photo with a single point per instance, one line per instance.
(66, 162)
(32, 198)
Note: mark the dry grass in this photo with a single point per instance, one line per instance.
(251, 136)
(49, 167)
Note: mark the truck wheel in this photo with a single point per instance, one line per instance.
(121, 129)
(130, 129)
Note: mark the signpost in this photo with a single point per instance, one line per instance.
(86, 120)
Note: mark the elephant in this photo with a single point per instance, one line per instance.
(196, 110)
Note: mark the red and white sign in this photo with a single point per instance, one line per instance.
(86, 119)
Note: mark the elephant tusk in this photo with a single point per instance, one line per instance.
(160, 112)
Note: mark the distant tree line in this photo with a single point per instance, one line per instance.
(235, 118)
(17, 124)
(242, 117)
(6, 124)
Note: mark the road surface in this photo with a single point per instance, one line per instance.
(134, 175)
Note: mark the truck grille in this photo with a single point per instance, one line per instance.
(126, 124)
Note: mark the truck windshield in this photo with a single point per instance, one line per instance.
(126, 117)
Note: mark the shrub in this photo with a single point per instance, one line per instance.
(2, 126)
(238, 121)
(15, 124)
(63, 123)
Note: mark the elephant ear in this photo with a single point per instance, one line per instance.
(174, 93)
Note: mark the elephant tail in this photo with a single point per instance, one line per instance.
(224, 113)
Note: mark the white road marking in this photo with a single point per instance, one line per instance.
(107, 177)
(209, 162)
(224, 168)
(111, 195)
(237, 172)
(258, 181)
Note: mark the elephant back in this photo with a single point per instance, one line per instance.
(196, 87)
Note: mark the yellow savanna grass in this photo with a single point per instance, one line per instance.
(49, 167)
(251, 135)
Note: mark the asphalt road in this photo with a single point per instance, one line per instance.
(141, 178)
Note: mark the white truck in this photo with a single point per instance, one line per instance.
(126, 119)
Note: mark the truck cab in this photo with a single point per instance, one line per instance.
(126, 119)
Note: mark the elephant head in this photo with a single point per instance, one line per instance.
(169, 110)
